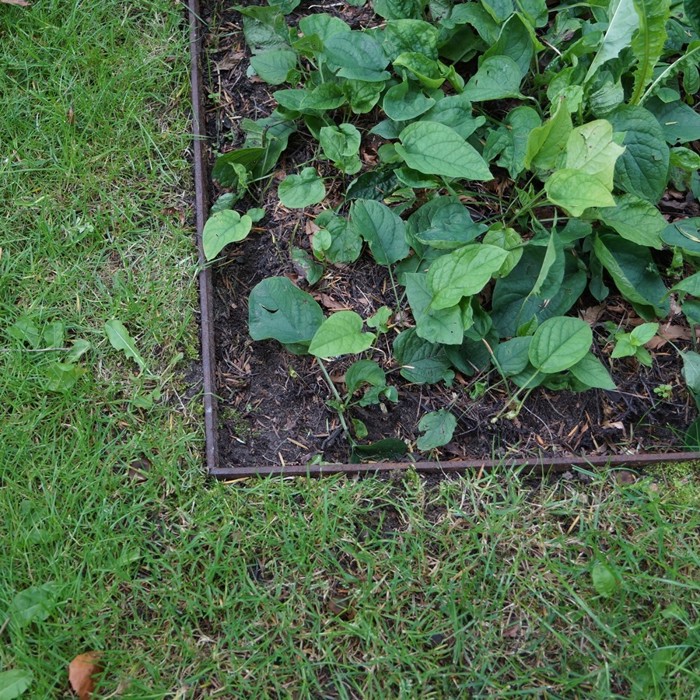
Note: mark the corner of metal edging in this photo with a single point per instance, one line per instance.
(206, 296)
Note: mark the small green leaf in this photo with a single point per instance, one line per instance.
(364, 372)
(356, 56)
(389, 448)
(61, 377)
(274, 66)
(380, 319)
(340, 334)
(33, 604)
(547, 143)
(437, 428)
(576, 191)
(605, 582)
(403, 102)
(591, 149)
(643, 333)
(436, 325)
(436, 149)
(280, 310)
(512, 355)
(14, 683)
(591, 372)
(691, 370)
(559, 343)
(421, 362)
(120, 339)
(498, 77)
(256, 214)
(384, 230)
(341, 144)
(312, 270)
(26, 331)
(222, 228)
(302, 190)
(635, 219)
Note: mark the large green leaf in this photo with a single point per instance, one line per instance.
(622, 23)
(404, 101)
(436, 149)
(635, 219)
(685, 234)
(592, 372)
(340, 334)
(437, 428)
(421, 362)
(429, 73)
(14, 683)
(398, 9)
(280, 310)
(33, 604)
(364, 372)
(547, 143)
(463, 273)
(384, 231)
(512, 355)
(560, 343)
(643, 168)
(679, 121)
(322, 25)
(634, 273)
(404, 35)
(592, 150)
(222, 228)
(436, 325)
(576, 191)
(302, 190)
(455, 111)
(516, 41)
(341, 145)
(648, 41)
(274, 66)
(498, 77)
(357, 56)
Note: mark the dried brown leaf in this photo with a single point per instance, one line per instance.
(21, 3)
(81, 673)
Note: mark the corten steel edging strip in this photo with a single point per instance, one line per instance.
(542, 465)
(534, 465)
(206, 295)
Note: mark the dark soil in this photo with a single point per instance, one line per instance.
(273, 404)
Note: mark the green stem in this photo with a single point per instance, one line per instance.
(331, 385)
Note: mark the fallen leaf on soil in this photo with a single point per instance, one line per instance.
(81, 672)
(592, 314)
(666, 333)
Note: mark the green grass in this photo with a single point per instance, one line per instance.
(335, 588)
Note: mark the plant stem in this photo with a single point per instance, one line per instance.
(341, 417)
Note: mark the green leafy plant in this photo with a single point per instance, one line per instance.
(579, 112)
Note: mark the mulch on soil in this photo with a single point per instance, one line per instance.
(273, 404)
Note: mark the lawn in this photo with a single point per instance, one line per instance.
(114, 539)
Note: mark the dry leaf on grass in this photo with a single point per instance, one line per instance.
(21, 3)
(81, 673)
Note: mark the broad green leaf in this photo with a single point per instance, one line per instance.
(380, 319)
(679, 122)
(643, 333)
(78, 349)
(346, 243)
(436, 149)
(308, 267)
(14, 683)
(61, 377)
(690, 285)
(431, 74)
(388, 448)
(364, 372)
(120, 339)
(643, 168)
(516, 41)
(685, 234)
(512, 355)
(635, 219)
(264, 28)
(604, 580)
(438, 428)
(222, 228)
(322, 25)
(498, 77)
(635, 274)
(326, 96)
(648, 41)
(302, 190)
(280, 310)
(475, 15)
(592, 372)
(685, 159)
(404, 35)
(576, 191)
(519, 124)
(500, 10)
(692, 14)
(404, 102)
(362, 95)
(559, 343)
(384, 231)
(357, 56)
(691, 370)
(463, 273)
(450, 225)
(341, 145)
(53, 335)
(26, 331)
(455, 111)
(547, 143)
(284, 6)
(592, 150)
(274, 66)
(398, 9)
(443, 326)
(511, 241)
(374, 184)
(33, 604)
(340, 334)
(421, 362)
(623, 21)
(224, 202)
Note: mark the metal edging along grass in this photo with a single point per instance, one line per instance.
(533, 465)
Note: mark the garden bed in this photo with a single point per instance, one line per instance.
(273, 405)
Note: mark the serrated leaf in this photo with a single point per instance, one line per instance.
(280, 310)
(591, 372)
(463, 273)
(648, 41)
(120, 339)
(384, 231)
(302, 190)
(559, 343)
(576, 191)
(14, 683)
(435, 149)
(623, 22)
(438, 428)
(222, 228)
(635, 219)
(340, 334)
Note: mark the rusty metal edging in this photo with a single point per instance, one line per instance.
(206, 296)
